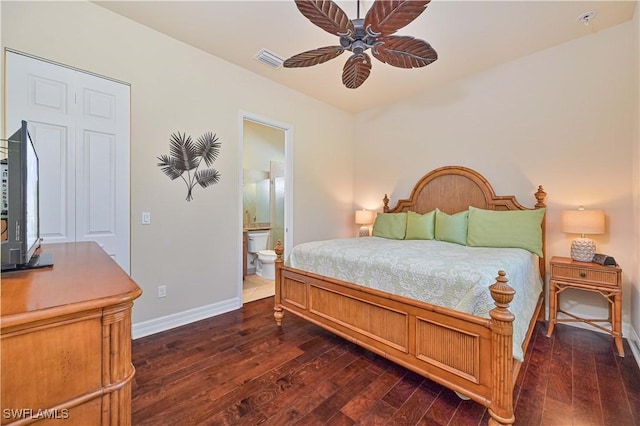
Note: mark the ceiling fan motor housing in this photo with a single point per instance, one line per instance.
(360, 41)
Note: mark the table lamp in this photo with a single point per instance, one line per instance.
(583, 222)
(364, 218)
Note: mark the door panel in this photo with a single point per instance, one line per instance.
(47, 94)
(57, 183)
(99, 186)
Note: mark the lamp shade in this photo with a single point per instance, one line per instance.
(583, 221)
(364, 217)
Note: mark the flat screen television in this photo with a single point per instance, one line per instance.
(21, 198)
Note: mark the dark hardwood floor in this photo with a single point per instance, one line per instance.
(240, 368)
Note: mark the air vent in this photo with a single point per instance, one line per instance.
(269, 58)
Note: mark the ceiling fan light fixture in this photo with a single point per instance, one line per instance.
(270, 59)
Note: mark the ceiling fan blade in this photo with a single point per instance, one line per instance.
(313, 57)
(327, 15)
(404, 52)
(387, 16)
(356, 70)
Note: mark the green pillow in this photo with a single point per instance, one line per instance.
(512, 228)
(420, 226)
(452, 228)
(390, 225)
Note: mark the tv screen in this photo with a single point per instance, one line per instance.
(32, 207)
(21, 199)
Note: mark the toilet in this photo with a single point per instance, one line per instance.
(263, 258)
(266, 267)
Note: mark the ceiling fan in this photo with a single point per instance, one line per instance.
(384, 18)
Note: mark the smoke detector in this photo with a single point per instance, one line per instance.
(586, 17)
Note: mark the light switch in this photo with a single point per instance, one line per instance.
(146, 218)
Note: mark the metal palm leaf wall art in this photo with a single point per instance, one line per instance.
(359, 35)
(186, 156)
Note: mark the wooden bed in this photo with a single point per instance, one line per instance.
(468, 354)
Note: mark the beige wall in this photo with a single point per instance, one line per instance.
(261, 145)
(563, 118)
(191, 247)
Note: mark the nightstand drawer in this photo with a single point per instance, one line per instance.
(608, 278)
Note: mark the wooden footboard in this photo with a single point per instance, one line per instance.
(468, 354)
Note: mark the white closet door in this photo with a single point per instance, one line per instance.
(43, 94)
(80, 127)
(102, 165)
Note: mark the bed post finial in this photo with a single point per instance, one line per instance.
(501, 406)
(278, 312)
(279, 249)
(385, 200)
(540, 196)
(502, 294)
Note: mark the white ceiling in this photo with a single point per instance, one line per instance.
(469, 36)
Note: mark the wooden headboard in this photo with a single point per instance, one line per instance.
(453, 189)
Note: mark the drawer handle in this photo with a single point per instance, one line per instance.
(583, 275)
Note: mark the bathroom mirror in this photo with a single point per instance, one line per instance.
(255, 198)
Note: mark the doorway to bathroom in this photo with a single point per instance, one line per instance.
(266, 201)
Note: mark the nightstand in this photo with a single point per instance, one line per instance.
(605, 280)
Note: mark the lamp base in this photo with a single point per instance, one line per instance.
(364, 231)
(583, 249)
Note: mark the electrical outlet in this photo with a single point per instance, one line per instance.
(162, 291)
(146, 218)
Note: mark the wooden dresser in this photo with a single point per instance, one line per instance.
(66, 340)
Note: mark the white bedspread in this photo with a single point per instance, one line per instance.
(444, 274)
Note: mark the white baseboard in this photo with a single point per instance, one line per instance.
(634, 342)
(168, 322)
